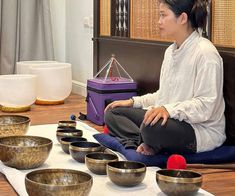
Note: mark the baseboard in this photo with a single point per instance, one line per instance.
(79, 88)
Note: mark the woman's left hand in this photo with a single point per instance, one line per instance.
(153, 115)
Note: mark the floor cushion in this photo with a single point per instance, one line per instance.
(223, 154)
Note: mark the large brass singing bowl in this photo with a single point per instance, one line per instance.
(58, 182)
(96, 162)
(13, 125)
(24, 152)
(178, 182)
(126, 173)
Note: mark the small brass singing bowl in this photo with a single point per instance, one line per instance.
(178, 182)
(126, 173)
(13, 125)
(79, 150)
(24, 152)
(67, 123)
(58, 182)
(65, 141)
(96, 162)
(68, 133)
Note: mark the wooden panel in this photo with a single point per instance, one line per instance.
(223, 25)
(105, 17)
(144, 20)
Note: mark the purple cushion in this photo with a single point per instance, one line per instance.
(223, 154)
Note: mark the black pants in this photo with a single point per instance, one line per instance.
(125, 123)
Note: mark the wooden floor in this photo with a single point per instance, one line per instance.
(215, 181)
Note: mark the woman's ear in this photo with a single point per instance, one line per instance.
(183, 18)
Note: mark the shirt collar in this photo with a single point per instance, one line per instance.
(186, 42)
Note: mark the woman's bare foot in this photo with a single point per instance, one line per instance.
(145, 149)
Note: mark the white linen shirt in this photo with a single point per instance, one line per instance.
(191, 89)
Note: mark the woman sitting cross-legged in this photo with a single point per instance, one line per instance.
(186, 113)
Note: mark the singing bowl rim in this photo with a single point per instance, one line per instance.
(62, 127)
(84, 149)
(67, 122)
(123, 170)
(183, 180)
(57, 170)
(26, 119)
(49, 141)
(64, 132)
(100, 161)
(82, 139)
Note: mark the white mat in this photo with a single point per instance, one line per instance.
(102, 186)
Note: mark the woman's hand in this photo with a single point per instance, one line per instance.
(154, 115)
(125, 103)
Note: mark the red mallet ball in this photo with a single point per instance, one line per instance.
(105, 131)
(176, 161)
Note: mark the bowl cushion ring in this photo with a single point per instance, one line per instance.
(222, 154)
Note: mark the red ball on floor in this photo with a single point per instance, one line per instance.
(176, 161)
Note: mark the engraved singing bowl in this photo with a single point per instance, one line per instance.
(126, 173)
(68, 132)
(79, 150)
(13, 125)
(65, 141)
(58, 182)
(67, 123)
(178, 182)
(96, 162)
(24, 152)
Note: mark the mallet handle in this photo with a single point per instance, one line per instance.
(213, 166)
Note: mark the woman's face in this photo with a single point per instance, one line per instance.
(168, 22)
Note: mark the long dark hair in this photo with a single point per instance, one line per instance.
(195, 9)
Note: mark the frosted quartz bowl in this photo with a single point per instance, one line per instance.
(54, 82)
(22, 67)
(17, 92)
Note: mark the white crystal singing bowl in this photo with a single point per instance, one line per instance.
(17, 92)
(54, 82)
(22, 67)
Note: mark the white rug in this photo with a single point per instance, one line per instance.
(102, 186)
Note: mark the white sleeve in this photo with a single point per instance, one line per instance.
(207, 94)
(145, 101)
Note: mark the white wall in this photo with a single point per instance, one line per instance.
(79, 46)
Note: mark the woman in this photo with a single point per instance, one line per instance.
(186, 114)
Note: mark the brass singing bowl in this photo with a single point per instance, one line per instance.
(126, 173)
(65, 141)
(58, 182)
(178, 182)
(24, 152)
(13, 125)
(96, 162)
(79, 150)
(67, 123)
(68, 132)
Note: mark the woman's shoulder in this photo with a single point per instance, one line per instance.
(205, 46)
(206, 49)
